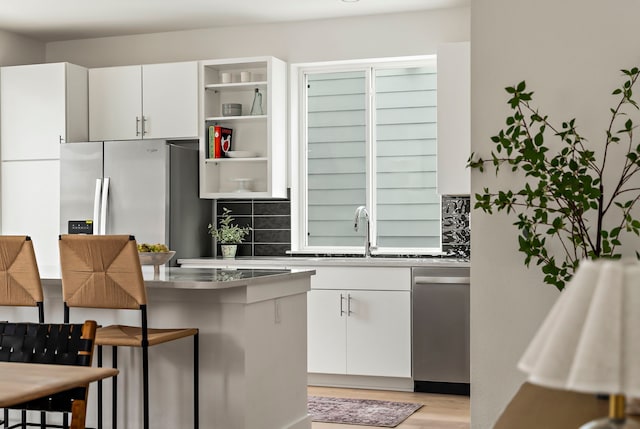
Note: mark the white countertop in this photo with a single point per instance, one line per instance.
(217, 278)
(303, 261)
(203, 278)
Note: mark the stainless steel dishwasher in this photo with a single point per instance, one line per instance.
(440, 334)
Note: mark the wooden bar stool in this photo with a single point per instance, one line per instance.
(19, 276)
(103, 271)
(20, 284)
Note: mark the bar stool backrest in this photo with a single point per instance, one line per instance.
(53, 343)
(19, 276)
(101, 271)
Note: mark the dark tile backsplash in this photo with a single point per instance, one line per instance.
(456, 227)
(270, 221)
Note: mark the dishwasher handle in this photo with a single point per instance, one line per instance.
(420, 280)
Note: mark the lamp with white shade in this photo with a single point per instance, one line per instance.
(590, 340)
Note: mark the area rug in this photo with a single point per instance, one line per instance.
(366, 412)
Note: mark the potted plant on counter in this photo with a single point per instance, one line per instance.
(228, 234)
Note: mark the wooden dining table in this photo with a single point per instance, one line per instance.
(22, 382)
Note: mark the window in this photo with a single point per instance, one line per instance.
(368, 138)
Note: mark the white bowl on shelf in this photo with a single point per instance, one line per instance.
(243, 184)
(241, 154)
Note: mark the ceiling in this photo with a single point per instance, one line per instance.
(48, 20)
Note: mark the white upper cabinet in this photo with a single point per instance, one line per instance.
(170, 100)
(148, 101)
(41, 105)
(454, 118)
(257, 167)
(115, 103)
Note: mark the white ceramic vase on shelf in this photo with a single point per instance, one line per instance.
(229, 251)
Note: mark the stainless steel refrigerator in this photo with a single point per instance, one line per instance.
(145, 188)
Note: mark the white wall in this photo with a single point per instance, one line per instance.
(390, 35)
(570, 53)
(16, 49)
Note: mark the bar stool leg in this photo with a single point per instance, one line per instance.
(196, 383)
(145, 384)
(114, 393)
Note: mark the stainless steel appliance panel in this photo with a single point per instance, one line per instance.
(152, 192)
(138, 202)
(189, 216)
(80, 167)
(441, 328)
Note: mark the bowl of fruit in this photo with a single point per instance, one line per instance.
(154, 254)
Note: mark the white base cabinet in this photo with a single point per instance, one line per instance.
(327, 332)
(361, 330)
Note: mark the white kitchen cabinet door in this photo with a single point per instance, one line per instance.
(155, 101)
(326, 334)
(30, 198)
(115, 103)
(41, 106)
(379, 333)
(360, 321)
(454, 118)
(359, 332)
(170, 100)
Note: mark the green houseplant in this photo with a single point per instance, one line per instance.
(228, 234)
(564, 209)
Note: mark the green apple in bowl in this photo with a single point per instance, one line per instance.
(154, 254)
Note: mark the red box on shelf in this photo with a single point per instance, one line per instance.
(219, 141)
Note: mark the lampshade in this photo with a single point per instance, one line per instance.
(590, 340)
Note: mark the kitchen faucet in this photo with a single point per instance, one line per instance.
(362, 212)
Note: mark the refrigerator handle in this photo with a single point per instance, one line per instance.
(96, 207)
(103, 206)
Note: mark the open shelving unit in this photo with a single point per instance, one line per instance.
(264, 174)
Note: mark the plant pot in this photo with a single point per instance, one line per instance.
(229, 251)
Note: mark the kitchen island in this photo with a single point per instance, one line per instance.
(253, 348)
(360, 328)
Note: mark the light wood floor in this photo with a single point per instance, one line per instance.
(438, 412)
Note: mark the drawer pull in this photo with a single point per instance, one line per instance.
(449, 280)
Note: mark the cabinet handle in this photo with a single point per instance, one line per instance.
(137, 126)
(348, 304)
(60, 138)
(419, 280)
(341, 305)
(144, 125)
